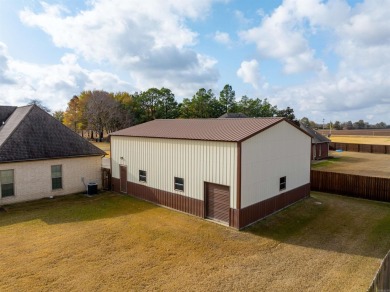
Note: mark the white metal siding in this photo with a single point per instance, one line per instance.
(281, 150)
(163, 159)
(32, 179)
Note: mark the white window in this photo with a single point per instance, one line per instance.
(282, 183)
(142, 175)
(56, 177)
(7, 183)
(179, 184)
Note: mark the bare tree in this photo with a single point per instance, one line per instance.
(104, 113)
(40, 104)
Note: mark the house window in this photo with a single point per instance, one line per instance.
(179, 184)
(56, 177)
(282, 183)
(142, 175)
(7, 183)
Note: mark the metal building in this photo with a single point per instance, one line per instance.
(234, 171)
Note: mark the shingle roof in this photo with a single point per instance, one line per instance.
(12, 122)
(231, 130)
(32, 134)
(316, 137)
(5, 112)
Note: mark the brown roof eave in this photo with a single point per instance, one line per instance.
(284, 119)
(254, 134)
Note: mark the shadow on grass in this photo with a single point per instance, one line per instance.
(73, 208)
(331, 222)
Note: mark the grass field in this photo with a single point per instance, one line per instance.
(367, 164)
(113, 242)
(105, 146)
(375, 140)
(359, 132)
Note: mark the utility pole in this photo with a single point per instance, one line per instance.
(323, 124)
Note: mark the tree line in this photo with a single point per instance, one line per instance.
(100, 112)
(349, 125)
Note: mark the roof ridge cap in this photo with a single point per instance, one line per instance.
(17, 126)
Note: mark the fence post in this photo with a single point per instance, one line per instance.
(381, 280)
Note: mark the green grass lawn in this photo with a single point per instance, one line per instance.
(113, 242)
(325, 163)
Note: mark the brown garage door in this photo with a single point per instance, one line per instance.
(217, 202)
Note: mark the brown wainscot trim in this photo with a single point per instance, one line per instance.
(234, 218)
(171, 200)
(238, 218)
(255, 212)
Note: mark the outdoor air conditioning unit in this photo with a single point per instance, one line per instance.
(92, 188)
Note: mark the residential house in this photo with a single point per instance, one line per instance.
(40, 157)
(319, 144)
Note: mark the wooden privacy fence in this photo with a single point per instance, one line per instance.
(367, 148)
(381, 281)
(365, 187)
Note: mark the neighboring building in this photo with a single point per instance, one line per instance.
(40, 157)
(235, 171)
(319, 144)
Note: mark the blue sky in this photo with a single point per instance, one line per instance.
(326, 59)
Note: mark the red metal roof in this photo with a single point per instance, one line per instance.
(231, 130)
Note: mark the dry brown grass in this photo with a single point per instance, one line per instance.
(117, 243)
(105, 146)
(367, 164)
(374, 140)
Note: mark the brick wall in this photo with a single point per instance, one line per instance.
(32, 180)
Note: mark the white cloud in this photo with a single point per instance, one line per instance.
(4, 75)
(240, 17)
(184, 71)
(357, 35)
(341, 97)
(222, 37)
(55, 84)
(133, 35)
(281, 36)
(360, 33)
(364, 40)
(249, 73)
